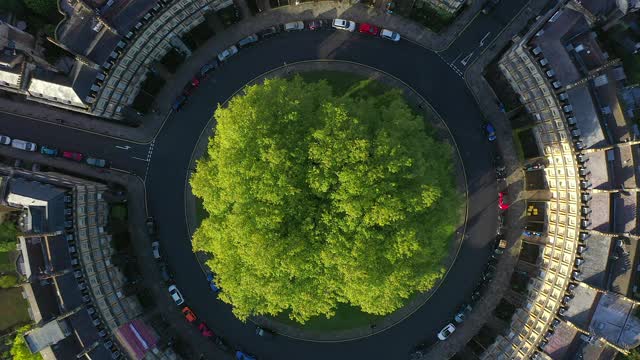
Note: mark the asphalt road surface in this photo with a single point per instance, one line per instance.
(164, 164)
(420, 68)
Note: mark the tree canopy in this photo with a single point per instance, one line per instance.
(316, 199)
(19, 349)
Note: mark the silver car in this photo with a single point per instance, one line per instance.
(294, 26)
(227, 53)
(389, 35)
(342, 24)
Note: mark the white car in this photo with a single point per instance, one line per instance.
(155, 248)
(175, 295)
(23, 145)
(389, 35)
(342, 24)
(5, 140)
(294, 26)
(446, 332)
(227, 53)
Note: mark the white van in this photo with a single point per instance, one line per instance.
(23, 145)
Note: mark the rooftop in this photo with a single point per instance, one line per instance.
(47, 335)
(580, 307)
(560, 342)
(594, 269)
(612, 320)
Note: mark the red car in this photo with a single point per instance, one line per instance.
(502, 201)
(369, 29)
(76, 156)
(204, 330)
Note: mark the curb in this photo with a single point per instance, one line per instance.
(436, 122)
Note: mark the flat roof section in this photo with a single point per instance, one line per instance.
(613, 321)
(581, 306)
(69, 293)
(47, 335)
(623, 170)
(594, 269)
(621, 267)
(586, 116)
(598, 166)
(600, 205)
(625, 210)
(124, 14)
(58, 249)
(551, 42)
(560, 342)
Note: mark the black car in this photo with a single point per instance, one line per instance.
(164, 272)
(151, 226)
(179, 102)
(268, 32)
(221, 343)
(316, 24)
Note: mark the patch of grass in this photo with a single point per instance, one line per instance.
(119, 212)
(13, 308)
(198, 35)
(172, 60)
(347, 84)
(524, 144)
(6, 261)
(229, 15)
(142, 102)
(152, 84)
(431, 17)
(347, 317)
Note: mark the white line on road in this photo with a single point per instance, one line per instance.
(484, 38)
(137, 158)
(120, 170)
(126, 147)
(467, 58)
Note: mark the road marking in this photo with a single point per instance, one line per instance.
(120, 170)
(484, 38)
(149, 153)
(137, 158)
(467, 58)
(126, 147)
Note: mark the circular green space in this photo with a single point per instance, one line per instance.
(324, 202)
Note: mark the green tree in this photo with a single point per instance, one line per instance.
(19, 349)
(44, 8)
(8, 281)
(316, 200)
(8, 236)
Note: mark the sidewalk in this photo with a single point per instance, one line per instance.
(152, 123)
(486, 98)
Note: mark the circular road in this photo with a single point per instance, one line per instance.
(421, 69)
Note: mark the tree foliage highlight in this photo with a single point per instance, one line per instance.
(316, 199)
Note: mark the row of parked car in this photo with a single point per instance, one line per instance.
(229, 52)
(179, 300)
(50, 151)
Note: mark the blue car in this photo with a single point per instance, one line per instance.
(179, 103)
(241, 355)
(48, 151)
(490, 131)
(212, 283)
